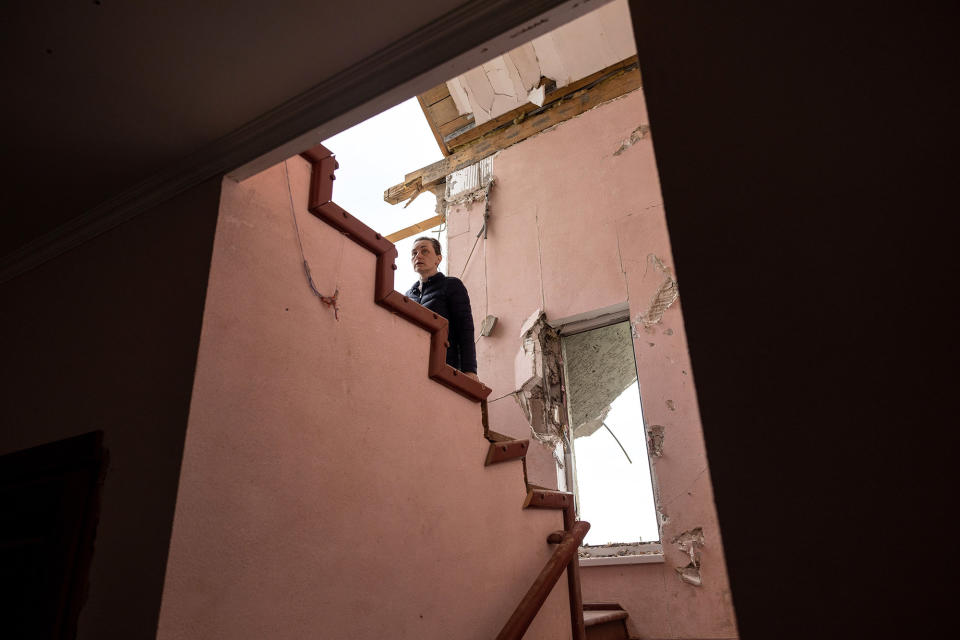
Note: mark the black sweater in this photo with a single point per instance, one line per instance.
(449, 298)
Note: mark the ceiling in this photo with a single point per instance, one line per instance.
(106, 101)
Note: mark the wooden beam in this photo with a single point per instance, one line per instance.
(420, 227)
(449, 127)
(403, 191)
(443, 111)
(433, 127)
(435, 94)
(557, 94)
(580, 101)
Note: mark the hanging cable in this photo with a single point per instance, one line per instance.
(483, 229)
(330, 301)
(610, 431)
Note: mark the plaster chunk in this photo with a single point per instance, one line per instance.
(690, 574)
(690, 542)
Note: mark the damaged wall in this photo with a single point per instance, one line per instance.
(538, 381)
(576, 225)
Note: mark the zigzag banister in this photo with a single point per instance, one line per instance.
(321, 205)
(563, 555)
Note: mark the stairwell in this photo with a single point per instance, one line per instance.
(320, 493)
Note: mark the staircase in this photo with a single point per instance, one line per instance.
(502, 449)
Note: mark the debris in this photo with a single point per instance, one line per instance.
(617, 550)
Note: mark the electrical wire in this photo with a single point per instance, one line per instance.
(330, 301)
(618, 442)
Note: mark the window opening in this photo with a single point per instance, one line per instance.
(611, 474)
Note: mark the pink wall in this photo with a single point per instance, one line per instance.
(328, 487)
(572, 227)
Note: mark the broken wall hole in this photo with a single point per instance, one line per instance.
(580, 395)
(610, 474)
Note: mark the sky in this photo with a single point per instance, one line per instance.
(616, 514)
(375, 155)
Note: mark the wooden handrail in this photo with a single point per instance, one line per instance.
(563, 555)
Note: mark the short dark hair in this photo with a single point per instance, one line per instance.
(433, 241)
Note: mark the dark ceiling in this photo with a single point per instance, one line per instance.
(100, 95)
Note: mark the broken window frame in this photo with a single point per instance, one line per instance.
(616, 553)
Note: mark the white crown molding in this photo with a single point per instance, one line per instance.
(460, 40)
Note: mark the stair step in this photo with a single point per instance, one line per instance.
(605, 624)
(493, 436)
(591, 618)
(538, 498)
(503, 451)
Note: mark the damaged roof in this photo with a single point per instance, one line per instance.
(521, 77)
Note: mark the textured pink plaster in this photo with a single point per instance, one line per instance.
(572, 229)
(328, 487)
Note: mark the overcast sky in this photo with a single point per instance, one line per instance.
(377, 154)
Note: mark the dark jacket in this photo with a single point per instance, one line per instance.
(448, 297)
